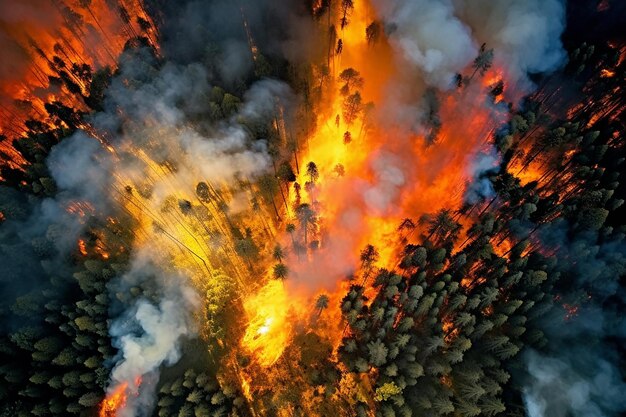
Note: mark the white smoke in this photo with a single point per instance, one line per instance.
(441, 38)
(429, 36)
(149, 333)
(525, 34)
(162, 113)
(80, 168)
(389, 178)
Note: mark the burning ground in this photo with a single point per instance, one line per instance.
(285, 208)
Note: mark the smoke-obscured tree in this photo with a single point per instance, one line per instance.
(431, 118)
(368, 257)
(339, 170)
(280, 271)
(347, 6)
(307, 219)
(203, 192)
(321, 303)
(373, 32)
(347, 137)
(351, 79)
(268, 186)
(247, 250)
(230, 104)
(352, 107)
(483, 62)
(278, 253)
(312, 172)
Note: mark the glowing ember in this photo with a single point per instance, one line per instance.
(82, 247)
(605, 73)
(603, 6)
(80, 208)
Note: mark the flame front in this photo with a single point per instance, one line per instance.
(117, 397)
(372, 175)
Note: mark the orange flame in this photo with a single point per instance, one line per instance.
(114, 401)
(607, 73)
(351, 171)
(49, 59)
(82, 247)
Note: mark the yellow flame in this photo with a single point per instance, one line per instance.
(268, 331)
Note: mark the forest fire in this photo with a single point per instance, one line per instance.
(114, 401)
(325, 209)
(80, 208)
(606, 73)
(60, 62)
(354, 155)
(117, 398)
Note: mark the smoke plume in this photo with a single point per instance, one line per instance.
(442, 38)
(149, 332)
(481, 166)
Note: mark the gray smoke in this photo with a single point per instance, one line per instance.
(429, 36)
(79, 167)
(579, 376)
(573, 384)
(389, 179)
(481, 166)
(579, 373)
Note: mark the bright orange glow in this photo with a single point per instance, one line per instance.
(606, 73)
(268, 330)
(93, 35)
(501, 247)
(80, 208)
(349, 211)
(373, 173)
(114, 401)
(449, 331)
(527, 172)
